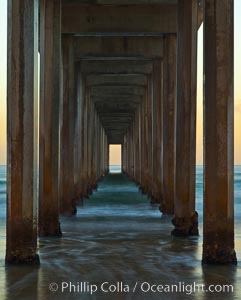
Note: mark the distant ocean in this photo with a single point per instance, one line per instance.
(3, 189)
(115, 169)
(118, 236)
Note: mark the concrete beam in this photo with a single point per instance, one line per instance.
(186, 219)
(136, 160)
(111, 114)
(141, 46)
(116, 85)
(169, 123)
(90, 146)
(117, 101)
(104, 91)
(67, 205)
(218, 235)
(149, 136)
(200, 12)
(121, 119)
(22, 118)
(158, 82)
(143, 140)
(123, 2)
(101, 19)
(120, 79)
(117, 123)
(79, 94)
(132, 67)
(50, 47)
(84, 154)
(115, 140)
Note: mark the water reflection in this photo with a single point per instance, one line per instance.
(21, 282)
(221, 276)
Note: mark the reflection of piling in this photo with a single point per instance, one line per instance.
(97, 89)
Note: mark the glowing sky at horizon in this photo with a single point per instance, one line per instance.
(237, 86)
(115, 155)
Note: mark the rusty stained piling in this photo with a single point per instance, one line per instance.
(157, 131)
(67, 203)
(50, 64)
(22, 104)
(218, 240)
(169, 123)
(186, 218)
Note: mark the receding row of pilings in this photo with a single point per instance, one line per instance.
(73, 148)
(158, 148)
(148, 152)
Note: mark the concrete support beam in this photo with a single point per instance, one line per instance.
(131, 142)
(137, 146)
(200, 12)
(89, 141)
(68, 206)
(102, 151)
(22, 138)
(106, 47)
(185, 220)
(218, 245)
(123, 154)
(98, 173)
(95, 152)
(144, 146)
(149, 135)
(169, 112)
(50, 45)
(77, 116)
(113, 91)
(91, 133)
(157, 131)
(113, 99)
(106, 155)
(84, 155)
(129, 19)
(127, 153)
(140, 80)
(118, 67)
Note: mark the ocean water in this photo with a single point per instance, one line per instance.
(115, 169)
(117, 237)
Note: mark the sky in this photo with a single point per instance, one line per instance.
(115, 156)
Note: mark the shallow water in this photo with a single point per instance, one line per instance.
(117, 236)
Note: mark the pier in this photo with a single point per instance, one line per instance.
(118, 72)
